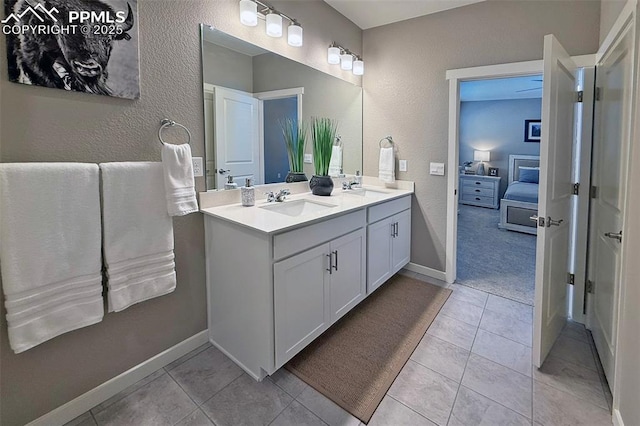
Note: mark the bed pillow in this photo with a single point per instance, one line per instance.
(529, 174)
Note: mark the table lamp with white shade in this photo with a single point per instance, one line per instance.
(481, 156)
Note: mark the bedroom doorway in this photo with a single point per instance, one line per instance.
(518, 214)
(499, 155)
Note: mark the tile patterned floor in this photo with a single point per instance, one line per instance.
(473, 367)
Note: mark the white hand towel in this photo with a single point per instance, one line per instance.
(335, 164)
(138, 233)
(178, 179)
(50, 252)
(387, 165)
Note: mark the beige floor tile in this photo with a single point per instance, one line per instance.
(425, 391)
(442, 357)
(506, 326)
(468, 294)
(516, 310)
(552, 407)
(392, 412)
(462, 311)
(503, 351)
(328, 411)
(471, 408)
(453, 331)
(501, 384)
(297, 414)
(197, 418)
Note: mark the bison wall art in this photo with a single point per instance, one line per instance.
(86, 46)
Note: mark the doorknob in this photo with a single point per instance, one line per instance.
(538, 220)
(223, 171)
(553, 222)
(614, 235)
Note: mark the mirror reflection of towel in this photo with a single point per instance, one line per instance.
(386, 166)
(335, 165)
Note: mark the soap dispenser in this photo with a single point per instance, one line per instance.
(248, 194)
(230, 183)
(358, 178)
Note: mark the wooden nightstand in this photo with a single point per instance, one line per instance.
(479, 191)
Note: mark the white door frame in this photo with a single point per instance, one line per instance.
(456, 76)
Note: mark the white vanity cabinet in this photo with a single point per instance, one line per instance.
(313, 289)
(388, 240)
(271, 293)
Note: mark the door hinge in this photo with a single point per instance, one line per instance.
(579, 96)
(576, 188)
(597, 93)
(594, 192)
(571, 278)
(590, 286)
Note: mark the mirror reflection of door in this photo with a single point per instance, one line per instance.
(276, 160)
(237, 137)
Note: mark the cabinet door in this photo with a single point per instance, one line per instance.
(301, 301)
(378, 253)
(402, 241)
(347, 278)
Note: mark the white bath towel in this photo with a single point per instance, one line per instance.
(50, 251)
(387, 165)
(179, 185)
(137, 233)
(335, 164)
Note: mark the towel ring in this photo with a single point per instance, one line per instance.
(170, 123)
(388, 139)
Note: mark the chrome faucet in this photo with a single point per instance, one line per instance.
(279, 197)
(346, 185)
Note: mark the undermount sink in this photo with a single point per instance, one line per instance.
(297, 207)
(366, 192)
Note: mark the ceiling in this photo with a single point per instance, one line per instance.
(373, 13)
(529, 87)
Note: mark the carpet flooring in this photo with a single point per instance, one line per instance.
(495, 260)
(355, 362)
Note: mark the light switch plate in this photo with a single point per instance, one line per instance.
(197, 166)
(436, 169)
(308, 158)
(403, 165)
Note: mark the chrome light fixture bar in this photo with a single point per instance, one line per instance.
(348, 60)
(249, 16)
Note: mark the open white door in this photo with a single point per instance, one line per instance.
(610, 169)
(554, 198)
(237, 135)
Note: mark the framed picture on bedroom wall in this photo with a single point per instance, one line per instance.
(532, 130)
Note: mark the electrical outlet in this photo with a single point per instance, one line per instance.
(197, 166)
(403, 165)
(308, 159)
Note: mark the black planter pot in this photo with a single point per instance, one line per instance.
(321, 185)
(295, 177)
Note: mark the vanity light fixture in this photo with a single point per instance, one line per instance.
(348, 60)
(333, 54)
(248, 13)
(249, 16)
(274, 24)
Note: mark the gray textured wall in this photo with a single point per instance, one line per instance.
(406, 94)
(39, 124)
(497, 126)
(227, 68)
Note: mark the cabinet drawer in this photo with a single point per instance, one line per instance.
(380, 211)
(477, 192)
(477, 183)
(477, 199)
(298, 240)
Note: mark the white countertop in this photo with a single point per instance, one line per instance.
(270, 222)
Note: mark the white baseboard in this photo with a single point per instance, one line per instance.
(617, 418)
(99, 394)
(429, 272)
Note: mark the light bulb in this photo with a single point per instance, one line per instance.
(248, 13)
(294, 35)
(274, 25)
(346, 61)
(358, 67)
(333, 55)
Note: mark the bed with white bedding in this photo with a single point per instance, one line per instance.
(520, 200)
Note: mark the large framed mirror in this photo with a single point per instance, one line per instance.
(249, 92)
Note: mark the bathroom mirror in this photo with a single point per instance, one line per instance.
(248, 91)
